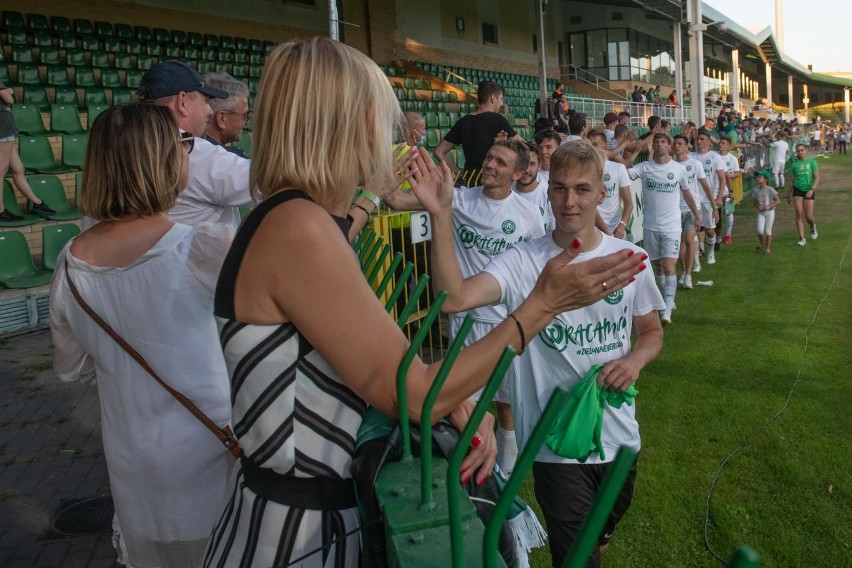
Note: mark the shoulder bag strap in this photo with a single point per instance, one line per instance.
(225, 435)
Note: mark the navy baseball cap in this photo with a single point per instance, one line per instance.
(172, 77)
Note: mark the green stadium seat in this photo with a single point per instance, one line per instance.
(49, 56)
(54, 239)
(28, 119)
(67, 41)
(433, 138)
(66, 96)
(66, 119)
(22, 54)
(240, 56)
(255, 45)
(240, 70)
(411, 95)
(36, 95)
(17, 36)
(57, 75)
(191, 52)
(453, 97)
(122, 61)
(143, 62)
(142, 33)
(268, 46)
(92, 112)
(453, 117)
(179, 36)
(100, 59)
(161, 35)
(226, 42)
(104, 29)
(123, 31)
(252, 83)
(173, 50)
(421, 107)
(49, 189)
(225, 56)
(37, 22)
(75, 57)
(60, 24)
(83, 27)
(12, 19)
(133, 78)
(10, 202)
(194, 38)
(121, 96)
(95, 96)
(254, 70)
(209, 53)
(256, 58)
(84, 77)
(241, 44)
(17, 268)
(90, 43)
(111, 78)
(211, 40)
(74, 149)
(41, 38)
(5, 78)
(156, 49)
(112, 44)
(133, 46)
(431, 120)
(443, 120)
(221, 67)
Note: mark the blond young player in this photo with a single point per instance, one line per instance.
(700, 188)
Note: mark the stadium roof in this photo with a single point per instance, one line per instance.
(763, 43)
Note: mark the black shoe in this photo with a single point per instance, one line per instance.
(7, 215)
(718, 246)
(42, 209)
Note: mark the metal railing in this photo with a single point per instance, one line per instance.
(586, 76)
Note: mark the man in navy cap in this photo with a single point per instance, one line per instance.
(218, 180)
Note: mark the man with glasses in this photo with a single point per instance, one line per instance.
(230, 115)
(218, 180)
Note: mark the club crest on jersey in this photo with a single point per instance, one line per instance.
(670, 175)
(615, 297)
(508, 226)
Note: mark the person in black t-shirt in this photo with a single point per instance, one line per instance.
(475, 133)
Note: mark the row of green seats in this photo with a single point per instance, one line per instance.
(92, 97)
(63, 119)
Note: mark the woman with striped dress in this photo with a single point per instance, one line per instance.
(307, 344)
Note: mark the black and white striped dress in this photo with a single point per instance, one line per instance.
(293, 416)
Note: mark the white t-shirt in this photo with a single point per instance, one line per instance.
(779, 151)
(218, 186)
(484, 228)
(732, 165)
(615, 177)
(694, 172)
(611, 144)
(711, 162)
(538, 197)
(562, 353)
(661, 187)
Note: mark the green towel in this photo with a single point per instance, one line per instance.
(577, 431)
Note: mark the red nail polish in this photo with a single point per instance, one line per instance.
(644, 257)
(576, 243)
(642, 267)
(477, 441)
(629, 253)
(465, 478)
(631, 281)
(481, 481)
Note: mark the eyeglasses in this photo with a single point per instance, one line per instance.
(245, 116)
(187, 140)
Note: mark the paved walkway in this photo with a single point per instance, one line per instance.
(50, 450)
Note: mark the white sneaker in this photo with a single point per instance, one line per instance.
(687, 282)
(802, 242)
(665, 317)
(680, 280)
(696, 266)
(814, 234)
(711, 257)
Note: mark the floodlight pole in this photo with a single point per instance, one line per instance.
(542, 66)
(696, 59)
(333, 30)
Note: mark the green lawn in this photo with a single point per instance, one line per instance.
(730, 360)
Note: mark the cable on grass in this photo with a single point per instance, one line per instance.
(772, 418)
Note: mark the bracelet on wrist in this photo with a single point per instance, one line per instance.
(622, 223)
(522, 334)
(369, 196)
(362, 208)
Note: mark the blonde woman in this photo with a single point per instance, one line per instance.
(307, 344)
(152, 281)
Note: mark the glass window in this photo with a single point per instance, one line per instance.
(578, 50)
(597, 48)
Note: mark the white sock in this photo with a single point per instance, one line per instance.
(661, 281)
(669, 290)
(782, 180)
(507, 450)
(709, 242)
(777, 180)
(729, 221)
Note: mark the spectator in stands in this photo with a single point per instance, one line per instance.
(661, 178)
(624, 118)
(476, 132)
(218, 180)
(152, 280)
(673, 102)
(301, 292)
(229, 115)
(565, 487)
(548, 141)
(558, 91)
(561, 108)
(10, 160)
